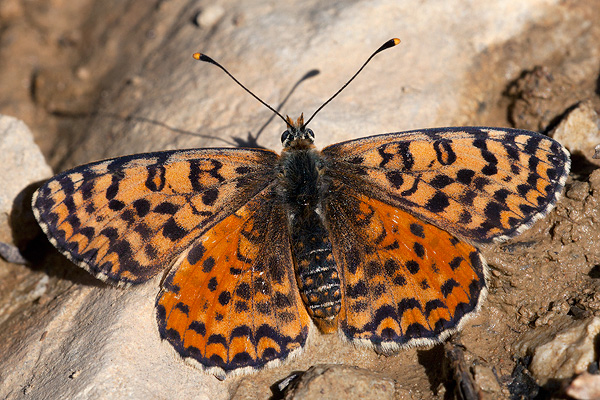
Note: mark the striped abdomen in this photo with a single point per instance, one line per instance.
(316, 271)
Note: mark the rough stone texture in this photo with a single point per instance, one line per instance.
(561, 350)
(23, 165)
(584, 387)
(104, 78)
(331, 382)
(580, 130)
(487, 382)
(539, 96)
(95, 343)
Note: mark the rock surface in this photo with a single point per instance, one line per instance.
(580, 130)
(561, 350)
(585, 386)
(330, 382)
(24, 164)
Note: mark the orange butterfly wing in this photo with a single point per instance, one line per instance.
(405, 281)
(233, 303)
(128, 218)
(483, 184)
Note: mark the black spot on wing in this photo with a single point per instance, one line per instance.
(444, 152)
(395, 178)
(198, 327)
(166, 208)
(419, 249)
(465, 176)
(156, 180)
(196, 254)
(412, 266)
(417, 230)
(142, 207)
(210, 196)
(224, 298)
(208, 264)
(448, 287)
(172, 231)
(441, 181)
(438, 203)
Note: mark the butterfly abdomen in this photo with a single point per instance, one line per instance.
(304, 187)
(316, 270)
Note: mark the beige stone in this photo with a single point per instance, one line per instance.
(580, 130)
(561, 351)
(584, 387)
(331, 382)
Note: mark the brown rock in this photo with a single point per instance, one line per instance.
(579, 131)
(561, 351)
(332, 382)
(584, 387)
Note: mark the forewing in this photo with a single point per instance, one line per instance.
(482, 184)
(233, 304)
(405, 282)
(127, 218)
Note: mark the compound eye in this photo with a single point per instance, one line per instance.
(285, 136)
(310, 134)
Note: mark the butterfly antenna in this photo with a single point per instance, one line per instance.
(205, 58)
(385, 46)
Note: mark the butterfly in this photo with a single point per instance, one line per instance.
(374, 238)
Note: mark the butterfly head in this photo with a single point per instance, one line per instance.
(297, 134)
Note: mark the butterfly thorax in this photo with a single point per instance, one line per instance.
(304, 188)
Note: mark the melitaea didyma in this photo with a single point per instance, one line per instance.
(371, 237)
